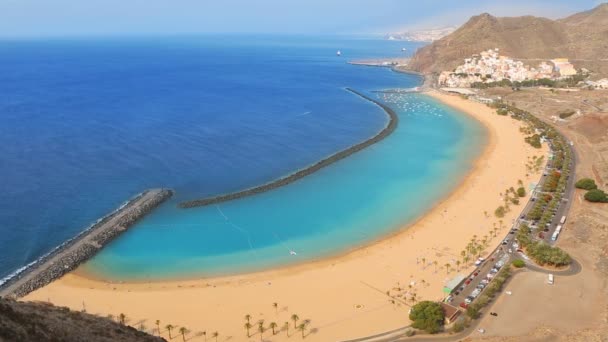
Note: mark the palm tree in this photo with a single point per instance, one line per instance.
(261, 329)
(295, 319)
(435, 263)
(458, 265)
(287, 328)
(205, 335)
(248, 326)
(302, 328)
(142, 327)
(169, 327)
(183, 331)
(122, 318)
(273, 326)
(463, 253)
(276, 307)
(248, 318)
(423, 263)
(215, 335)
(447, 268)
(158, 326)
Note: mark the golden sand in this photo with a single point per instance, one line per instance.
(342, 297)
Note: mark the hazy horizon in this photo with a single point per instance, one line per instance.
(31, 18)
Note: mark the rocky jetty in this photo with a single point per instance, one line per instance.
(390, 127)
(84, 246)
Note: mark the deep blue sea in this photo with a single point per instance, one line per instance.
(86, 124)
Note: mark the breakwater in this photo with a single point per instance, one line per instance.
(85, 245)
(385, 132)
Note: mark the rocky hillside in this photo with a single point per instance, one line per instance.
(22, 321)
(581, 36)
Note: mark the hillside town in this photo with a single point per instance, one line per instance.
(489, 66)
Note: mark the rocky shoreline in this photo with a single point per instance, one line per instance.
(76, 251)
(390, 127)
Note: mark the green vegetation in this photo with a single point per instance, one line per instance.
(458, 326)
(427, 316)
(519, 263)
(596, 195)
(500, 212)
(502, 111)
(544, 254)
(533, 140)
(539, 251)
(543, 82)
(521, 192)
(586, 184)
(552, 181)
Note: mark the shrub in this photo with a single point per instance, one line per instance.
(458, 327)
(586, 184)
(473, 311)
(427, 316)
(410, 332)
(596, 195)
(521, 192)
(500, 212)
(502, 111)
(544, 254)
(533, 140)
(515, 201)
(519, 263)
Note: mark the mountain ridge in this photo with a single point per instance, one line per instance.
(582, 35)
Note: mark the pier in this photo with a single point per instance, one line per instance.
(382, 62)
(385, 132)
(81, 248)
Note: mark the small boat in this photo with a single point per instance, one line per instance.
(293, 253)
(339, 53)
(403, 49)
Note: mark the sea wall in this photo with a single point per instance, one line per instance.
(81, 248)
(385, 132)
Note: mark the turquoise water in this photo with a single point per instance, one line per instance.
(87, 123)
(349, 204)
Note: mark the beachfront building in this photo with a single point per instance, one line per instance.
(451, 312)
(489, 66)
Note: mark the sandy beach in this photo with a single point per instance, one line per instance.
(343, 297)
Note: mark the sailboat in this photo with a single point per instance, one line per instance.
(339, 53)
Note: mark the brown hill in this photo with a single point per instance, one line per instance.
(581, 36)
(22, 321)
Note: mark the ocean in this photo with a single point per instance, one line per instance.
(88, 123)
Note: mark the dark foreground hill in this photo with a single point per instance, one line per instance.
(582, 36)
(38, 322)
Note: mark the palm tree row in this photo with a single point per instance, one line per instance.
(183, 331)
(273, 325)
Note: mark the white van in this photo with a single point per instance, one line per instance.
(550, 279)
